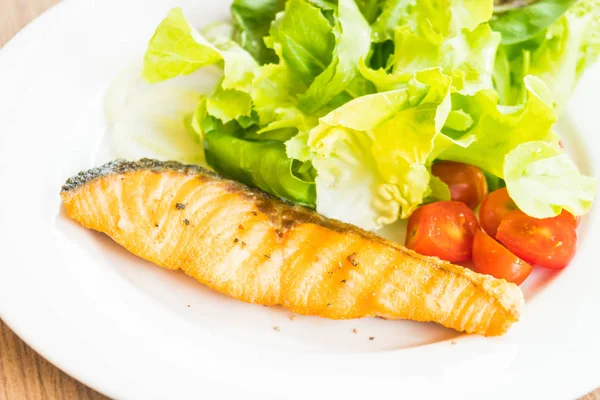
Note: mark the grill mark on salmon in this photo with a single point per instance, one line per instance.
(256, 248)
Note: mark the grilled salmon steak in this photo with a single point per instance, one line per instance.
(256, 248)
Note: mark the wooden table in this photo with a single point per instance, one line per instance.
(23, 373)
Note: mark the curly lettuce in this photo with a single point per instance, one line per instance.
(377, 162)
(558, 54)
(344, 105)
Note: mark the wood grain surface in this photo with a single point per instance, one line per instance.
(23, 373)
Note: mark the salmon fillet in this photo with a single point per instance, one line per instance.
(256, 248)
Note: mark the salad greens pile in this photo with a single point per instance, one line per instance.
(344, 105)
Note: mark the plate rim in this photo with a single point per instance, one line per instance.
(14, 48)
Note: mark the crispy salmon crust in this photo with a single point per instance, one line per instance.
(253, 247)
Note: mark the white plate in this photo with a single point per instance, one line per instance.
(132, 330)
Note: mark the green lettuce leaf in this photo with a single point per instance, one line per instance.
(438, 190)
(252, 20)
(377, 161)
(177, 48)
(194, 121)
(434, 20)
(558, 55)
(467, 57)
(370, 9)
(324, 4)
(524, 23)
(275, 91)
(261, 164)
(228, 104)
(498, 130)
(306, 39)
(542, 180)
(295, 113)
(239, 68)
(392, 14)
(426, 35)
(353, 41)
(380, 55)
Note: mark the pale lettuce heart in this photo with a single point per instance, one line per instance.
(377, 161)
(467, 57)
(436, 20)
(543, 180)
(348, 186)
(147, 120)
(450, 34)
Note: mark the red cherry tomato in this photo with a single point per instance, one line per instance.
(467, 183)
(490, 257)
(547, 242)
(494, 207)
(445, 229)
(569, 218)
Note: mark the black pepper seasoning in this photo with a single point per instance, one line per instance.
(180, 206)
(186, 221)
(352, 259)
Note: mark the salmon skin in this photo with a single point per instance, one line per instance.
(253, 247)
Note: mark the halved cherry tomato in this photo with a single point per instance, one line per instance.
(547, 242)
(495, 206)
(490, 257)
(467, 183)
(569, 218)
(445, 229)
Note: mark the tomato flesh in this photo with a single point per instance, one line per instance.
(466, 182)
(491, 258)
(445, 229)
(569, 218)
(495, 206)
(548, 242)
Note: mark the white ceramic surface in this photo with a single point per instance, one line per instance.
(132, 330)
